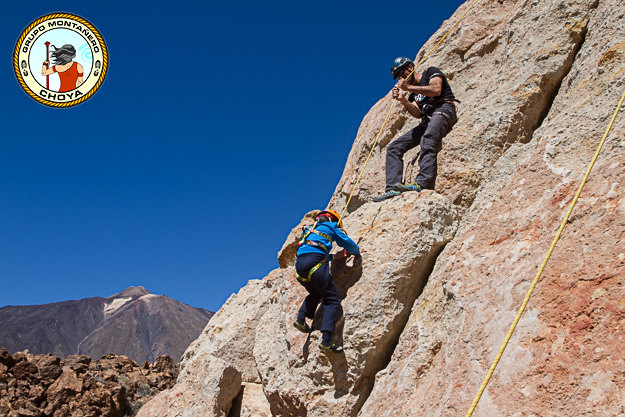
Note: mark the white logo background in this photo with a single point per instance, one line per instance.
(60, 29)
(58, 38)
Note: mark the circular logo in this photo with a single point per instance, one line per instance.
(60, 60)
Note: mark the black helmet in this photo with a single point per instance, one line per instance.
(398, 64)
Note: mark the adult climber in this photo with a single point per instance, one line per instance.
(428, 96)
(313, 272)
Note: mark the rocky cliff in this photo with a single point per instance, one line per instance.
(134, 323)
(443, 273)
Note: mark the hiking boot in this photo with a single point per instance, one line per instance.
(386, 196)
(330, 347)
(302, 327)
(413, 186)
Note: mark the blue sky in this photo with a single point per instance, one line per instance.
(219, 125)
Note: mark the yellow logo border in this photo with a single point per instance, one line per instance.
(20, 78)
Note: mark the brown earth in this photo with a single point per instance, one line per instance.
(77, 386)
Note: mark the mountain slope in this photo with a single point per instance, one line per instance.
(55, 328)
(134, 323)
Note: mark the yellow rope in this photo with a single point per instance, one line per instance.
(369, 156)
(542, 266)
(393, 104)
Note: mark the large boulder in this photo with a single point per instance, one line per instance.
(505, 63)
(253, 331)
(442, 274)
(5, 357)
(216, 365)
(287, 255)
(49, 367)
(67, 386)
(565, 343)
(24, 370)
(565, 356)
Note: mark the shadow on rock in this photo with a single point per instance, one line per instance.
(339, 372)
(346, 273)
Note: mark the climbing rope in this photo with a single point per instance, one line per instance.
(369, 156)
(542, 266)
(394, 100)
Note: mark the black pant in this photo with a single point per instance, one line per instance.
(321, 286)
(429, 134)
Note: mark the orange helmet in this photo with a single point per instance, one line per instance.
(334, 214)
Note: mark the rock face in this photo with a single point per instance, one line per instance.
(44, 385)
(443, 274)
(134, 323)
(251, 339)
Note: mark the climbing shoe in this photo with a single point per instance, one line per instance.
(302, 327)
(330, 347)
(386, 196)
(413, 186)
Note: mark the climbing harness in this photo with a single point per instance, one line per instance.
(315, 244)
(304, 241)
(312, 271)
(307, 230)
(395, 100)
(544, 263)
(318, 233)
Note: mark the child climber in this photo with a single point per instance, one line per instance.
(313, 272)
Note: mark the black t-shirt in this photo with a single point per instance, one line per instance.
(446, 93)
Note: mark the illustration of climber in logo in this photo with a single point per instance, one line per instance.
(70, 72)
(74, 57)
